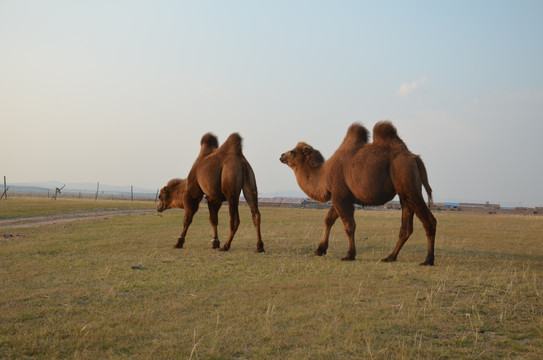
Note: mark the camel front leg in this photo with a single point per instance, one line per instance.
(430, 224)
(345, 211)
(214, 221)
(350, 226)
(187, 220)
(329, 221)
(234, 223)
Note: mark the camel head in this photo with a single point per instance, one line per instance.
(302, 155)
(171, 195)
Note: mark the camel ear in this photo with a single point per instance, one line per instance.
(306, 149)
(315, 159)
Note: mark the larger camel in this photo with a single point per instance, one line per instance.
(219, 173)
(367, 174)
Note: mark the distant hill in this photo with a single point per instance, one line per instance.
(76, 187)
(30, 189)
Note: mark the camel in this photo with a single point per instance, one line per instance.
(219, 173)
(171, 195)
(366, 174)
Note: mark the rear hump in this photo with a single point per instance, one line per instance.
(384, 133)
(233, 144)
(175, 182)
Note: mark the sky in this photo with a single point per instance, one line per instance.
(120, 92)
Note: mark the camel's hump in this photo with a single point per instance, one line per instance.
(210, 140)
(233, 143)
(175, 182)
(385, 133)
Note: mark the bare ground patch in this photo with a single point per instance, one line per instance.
(68, 217)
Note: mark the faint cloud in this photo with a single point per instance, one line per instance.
(472, 105)
(407, 88)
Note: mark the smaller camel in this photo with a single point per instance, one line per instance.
(171, 195)
(219, 173)
(366, 174)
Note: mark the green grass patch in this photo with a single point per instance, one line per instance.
(69, 290)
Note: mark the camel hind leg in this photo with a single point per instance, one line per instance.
(250, 193)
(252, 199)
(214, 221)
(405, 231)
(429, 223)
(234, 222)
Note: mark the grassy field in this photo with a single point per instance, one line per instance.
(69, 290)
(40, 206)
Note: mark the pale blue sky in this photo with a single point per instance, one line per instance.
(121, 91)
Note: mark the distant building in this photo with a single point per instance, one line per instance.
(396, 205)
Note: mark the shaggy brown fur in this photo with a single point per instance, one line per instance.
(171, 195)
(367, 174)
(221, 173)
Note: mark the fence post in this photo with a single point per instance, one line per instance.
(132, 193)
(57, 191)
(5, 193)
(97, 188)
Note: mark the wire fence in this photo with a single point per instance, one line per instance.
(33, 191)
(105, 195)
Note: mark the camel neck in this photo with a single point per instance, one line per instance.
(313, 183)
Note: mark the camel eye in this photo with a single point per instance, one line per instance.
(293, 153)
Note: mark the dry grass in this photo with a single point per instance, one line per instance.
(38, 206)
(68, 290)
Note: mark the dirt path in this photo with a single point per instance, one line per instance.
(61, 218)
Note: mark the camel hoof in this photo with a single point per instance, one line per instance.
(257, 251)
(224, 248)
(320, 252)
(215, 244)
(429, 261)
(389, 259)
(348, 258)
(179, 244)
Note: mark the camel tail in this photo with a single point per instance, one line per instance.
(424, 178)
(250, 191)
